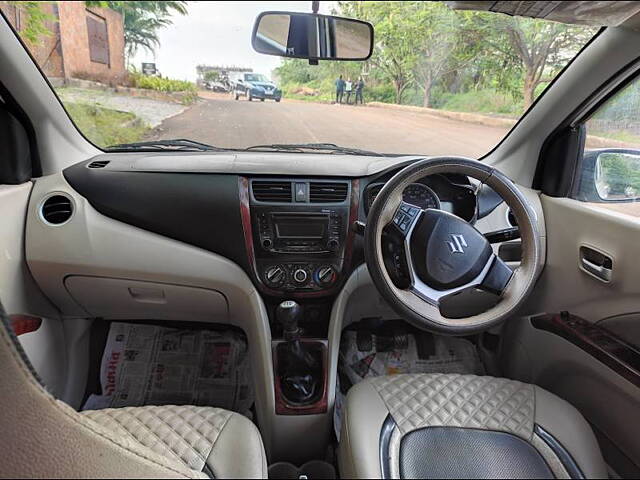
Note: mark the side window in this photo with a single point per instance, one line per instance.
(610, 170)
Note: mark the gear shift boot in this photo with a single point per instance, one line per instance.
(299, 371)
(298, 363)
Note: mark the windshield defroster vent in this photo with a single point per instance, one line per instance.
(57, 209)
(99, 164)
(265, 191)
(328, 192)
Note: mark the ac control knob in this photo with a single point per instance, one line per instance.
(275, 276)
(300, 276)
(325, 275)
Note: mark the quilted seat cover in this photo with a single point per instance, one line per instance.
(418, 401)
(184, 433)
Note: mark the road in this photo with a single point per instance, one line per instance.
(220, 120)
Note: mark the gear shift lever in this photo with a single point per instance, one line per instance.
(298, 368)
(288, 313)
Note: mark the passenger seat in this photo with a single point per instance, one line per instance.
(44, 437)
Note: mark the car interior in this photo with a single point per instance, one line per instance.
(352, 314)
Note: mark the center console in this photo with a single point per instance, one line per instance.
(297, 233)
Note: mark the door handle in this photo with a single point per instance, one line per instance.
(596, 263)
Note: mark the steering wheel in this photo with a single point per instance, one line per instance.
(437, 270)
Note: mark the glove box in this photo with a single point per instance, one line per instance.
(117, 298)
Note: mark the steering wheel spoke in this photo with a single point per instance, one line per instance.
(434, 296)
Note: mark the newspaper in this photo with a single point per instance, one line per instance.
(366, 354)
(152, 365)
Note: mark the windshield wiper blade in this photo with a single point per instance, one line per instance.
(177, 144)
(301, 147)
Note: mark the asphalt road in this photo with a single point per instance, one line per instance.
(222, 121)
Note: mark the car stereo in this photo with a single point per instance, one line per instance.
(297, 232)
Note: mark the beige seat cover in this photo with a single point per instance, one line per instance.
(45, 438)
(419, 401)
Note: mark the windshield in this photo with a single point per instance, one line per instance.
(439, 82)
(253, 77)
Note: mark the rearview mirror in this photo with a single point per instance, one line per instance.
(312, 36)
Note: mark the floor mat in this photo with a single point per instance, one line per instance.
(152, 365)
(394, 347)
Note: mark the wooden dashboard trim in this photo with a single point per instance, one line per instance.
(247, 229)
(615, 353)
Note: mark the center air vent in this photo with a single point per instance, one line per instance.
(328, 192)
(265, 191)
(57, 209)
(99, 164)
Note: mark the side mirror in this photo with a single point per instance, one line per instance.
(312, 36)
(611, 175)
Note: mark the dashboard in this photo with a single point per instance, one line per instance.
(293, 234)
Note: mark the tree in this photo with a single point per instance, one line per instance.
(35, 21)
(395, 49)
(211, 76)
(542, 47)
(438, 32)
(142, 20)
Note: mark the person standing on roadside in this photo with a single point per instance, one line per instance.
(359, 88)
(339, 89)
(348, 88)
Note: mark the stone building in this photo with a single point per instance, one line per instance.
(85, 42)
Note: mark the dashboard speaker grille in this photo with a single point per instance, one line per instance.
(57, 209)
(328, 192)
(265, 191)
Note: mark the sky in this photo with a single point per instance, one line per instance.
(215, 33)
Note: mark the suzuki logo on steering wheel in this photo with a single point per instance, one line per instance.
(457, 243)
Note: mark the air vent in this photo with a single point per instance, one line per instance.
(57, 209)
(99, 164)
(265, 191)
(328, 192)
(511, 218)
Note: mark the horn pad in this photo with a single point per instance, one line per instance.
(446, 251)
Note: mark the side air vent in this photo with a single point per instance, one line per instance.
(328, 192)
(99, 164)
(265, 191)
(57, 209)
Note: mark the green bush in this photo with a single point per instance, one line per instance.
(379, 93)
(160, 84)
(480, 101)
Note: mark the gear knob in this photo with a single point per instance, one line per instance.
(288, 314)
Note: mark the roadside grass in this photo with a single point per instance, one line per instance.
(621, 135)
(104, 126)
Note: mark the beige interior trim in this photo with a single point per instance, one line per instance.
(94, 245)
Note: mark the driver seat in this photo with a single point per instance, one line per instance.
(463, 426)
